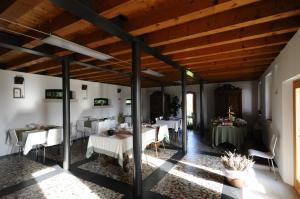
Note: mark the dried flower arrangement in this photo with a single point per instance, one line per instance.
(234, 161)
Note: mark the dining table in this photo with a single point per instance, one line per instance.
(174, 124)
(120, 145)
(228, 133)
(31, 137)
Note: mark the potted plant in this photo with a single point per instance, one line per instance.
(175, 106)
(236, 168)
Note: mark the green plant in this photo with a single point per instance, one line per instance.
(175, 105)
(237, 162)
(121, 118)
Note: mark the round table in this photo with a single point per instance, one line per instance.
(232, 134)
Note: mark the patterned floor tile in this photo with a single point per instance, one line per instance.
(78, 150)
(15, 169)
(150, 163)
(198, 174)
(64, 186)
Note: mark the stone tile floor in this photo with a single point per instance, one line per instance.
(63, 186)
(198, 174)
(149, 164)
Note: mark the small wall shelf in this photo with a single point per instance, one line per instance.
(104, 106)
(59, 100)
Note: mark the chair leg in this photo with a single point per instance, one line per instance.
(146, 158)
(44, 154)
(273, 169)
(19, 148)
(156, 150)
(163, 143)
(269, 164)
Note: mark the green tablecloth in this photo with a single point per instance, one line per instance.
(231, 134)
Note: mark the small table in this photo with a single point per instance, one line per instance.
(231, 134)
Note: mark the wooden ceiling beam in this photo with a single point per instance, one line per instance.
(178, 13)
(212, 10)
(243, 17)
(217, 50)
(253, 32)
(243, 46)
(253, 14)
(278, 27)
(67, 23)
(227, 56)
(225, 63)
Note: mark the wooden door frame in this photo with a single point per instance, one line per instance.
(296, 84)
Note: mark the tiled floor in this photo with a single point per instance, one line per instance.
(197, 174)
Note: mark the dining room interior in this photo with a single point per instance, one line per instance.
(150, 99)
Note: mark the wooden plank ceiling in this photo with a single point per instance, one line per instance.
(219, 40)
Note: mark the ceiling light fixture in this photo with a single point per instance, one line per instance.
(152, 72)
(69, 45)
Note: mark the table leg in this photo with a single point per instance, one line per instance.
(125, 164)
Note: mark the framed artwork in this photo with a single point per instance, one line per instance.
(128, 102)
(101, 102)
(17, 93)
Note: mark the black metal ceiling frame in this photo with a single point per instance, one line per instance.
(11, 42)
(81, 10)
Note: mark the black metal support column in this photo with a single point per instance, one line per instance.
(136, 119)
(201, 109)
(66, 113)
(163, 101)
(184, 119)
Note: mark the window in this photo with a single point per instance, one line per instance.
(268, 96)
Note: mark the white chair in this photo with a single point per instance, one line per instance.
(124, 125)
(54, 137)
(73, 132)
(14, 141)
(270, 155)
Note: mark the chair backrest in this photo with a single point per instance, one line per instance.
(55, 136)
(273, 144)
(13, 138)
(124, 125)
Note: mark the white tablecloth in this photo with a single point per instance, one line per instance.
(30, 137)
(34, 137)
(97, 127)
(231, 134)
(172, 124)
(115, 147)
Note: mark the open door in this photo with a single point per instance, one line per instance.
(297, 134)
(191, 110)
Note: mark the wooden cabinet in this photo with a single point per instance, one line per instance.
(225, 96)
(156, 105)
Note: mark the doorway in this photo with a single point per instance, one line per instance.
(296, 94)
(191, 110)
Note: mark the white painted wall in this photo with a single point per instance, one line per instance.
(285, 69)
(16, 113)
(249, 99)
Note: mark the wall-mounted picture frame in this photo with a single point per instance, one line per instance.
(17, 93)
(128, 102)
(101, 102)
